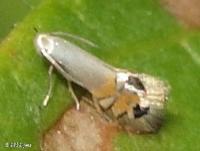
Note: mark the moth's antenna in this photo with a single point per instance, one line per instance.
(86, 41)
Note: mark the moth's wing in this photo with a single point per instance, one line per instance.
(156, 96)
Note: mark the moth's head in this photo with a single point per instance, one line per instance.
(44, 43)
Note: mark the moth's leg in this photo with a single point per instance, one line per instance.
(88, 101)
(74, 96)
(47, 97)
(100, 111)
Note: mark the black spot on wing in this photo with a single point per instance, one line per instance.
(137, 83)
(139, 112)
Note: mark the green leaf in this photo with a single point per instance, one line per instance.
(133, 34)
(9, 18)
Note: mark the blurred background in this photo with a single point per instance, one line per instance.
(12, 12)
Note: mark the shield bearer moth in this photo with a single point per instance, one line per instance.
(136, 101)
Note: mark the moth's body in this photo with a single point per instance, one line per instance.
(114, 91)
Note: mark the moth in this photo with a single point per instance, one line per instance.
(136, 101)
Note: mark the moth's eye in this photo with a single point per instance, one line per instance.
(139, 111)
(135, 82)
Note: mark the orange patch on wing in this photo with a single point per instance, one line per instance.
(124, 102)
(108, 88)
